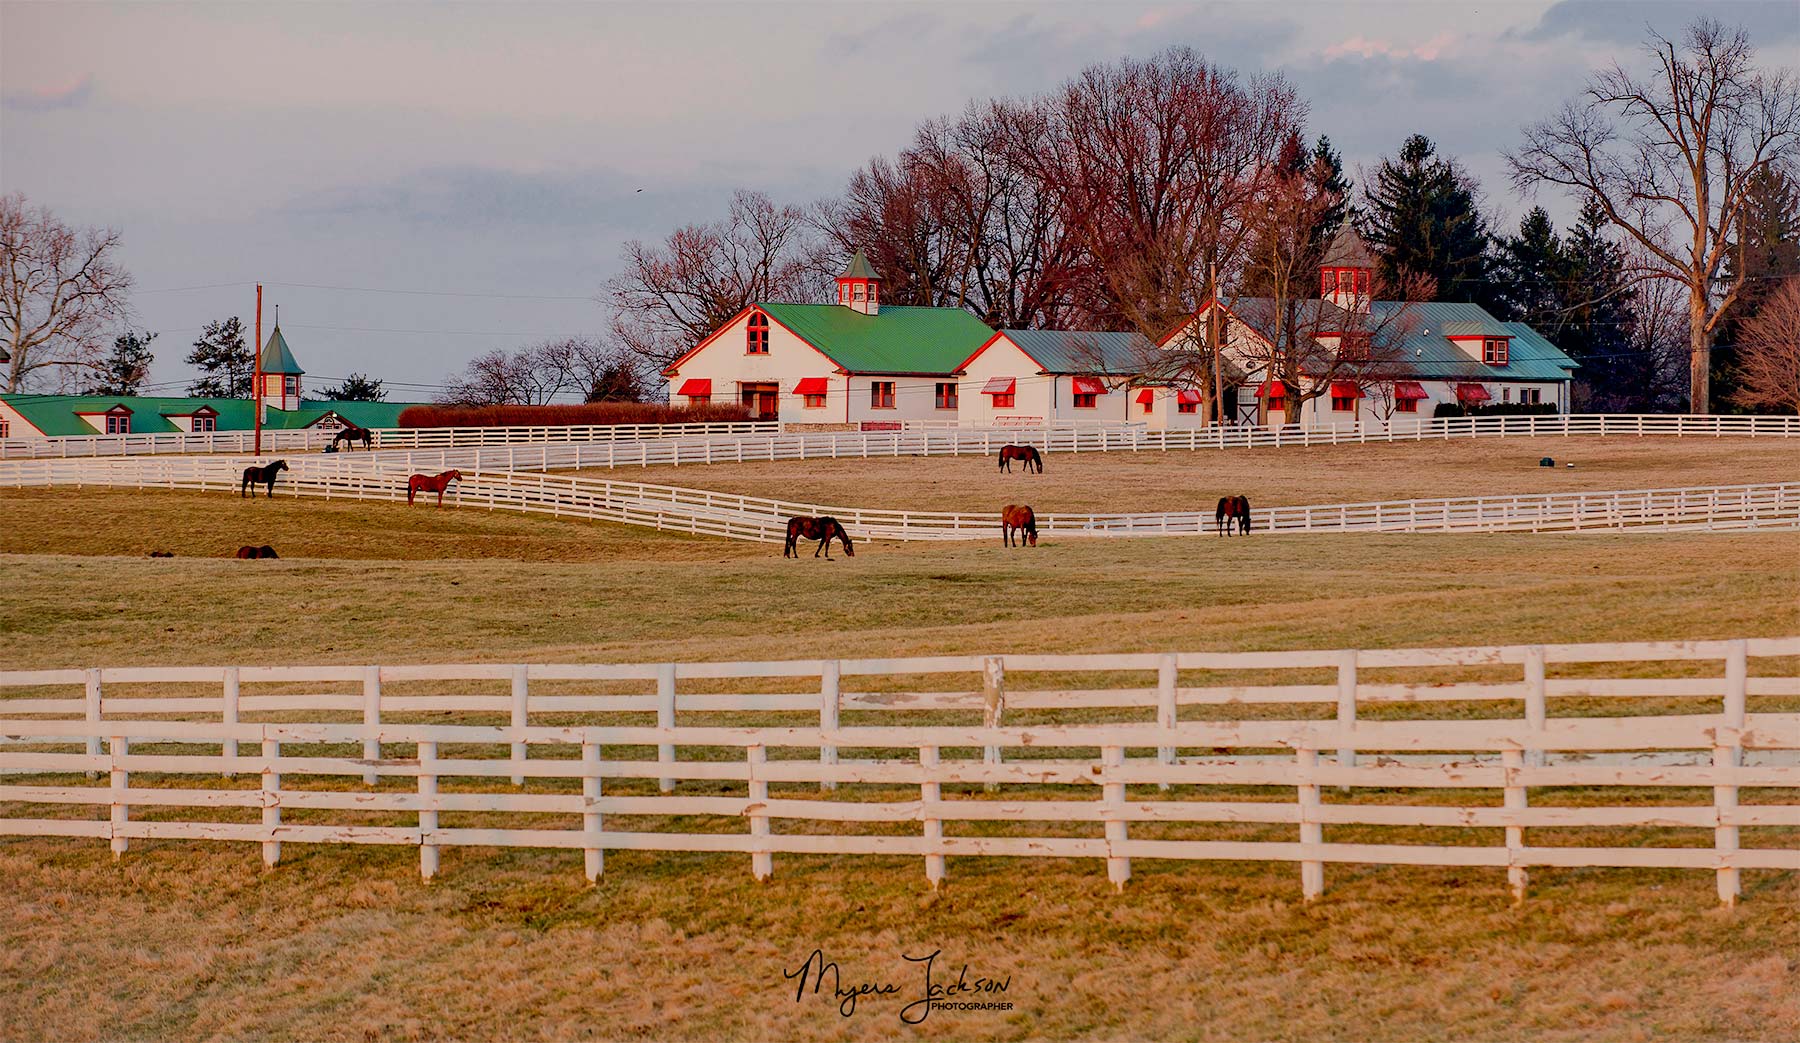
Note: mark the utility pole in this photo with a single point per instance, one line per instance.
(256, 376)
(1212, 336)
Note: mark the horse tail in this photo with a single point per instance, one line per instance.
(411, 488)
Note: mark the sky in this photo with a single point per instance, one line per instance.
(417, 184)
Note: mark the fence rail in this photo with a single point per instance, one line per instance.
(1179, 781)
(706, 512)
(643, 445)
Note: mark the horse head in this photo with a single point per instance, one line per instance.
(277, 466)
(452, 476)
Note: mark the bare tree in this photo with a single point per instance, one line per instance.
(1768, 366)
(673, 294)
(531, 376)
(1671, 158)
(59, 288)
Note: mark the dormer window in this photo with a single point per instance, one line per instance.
(843, 293)
(1494, 350)
(756, 335)
(118, 421)
(857, 294)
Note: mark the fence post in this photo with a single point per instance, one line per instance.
(1727, 756)
(1166, 712)
(762, 861)
(229, 717)
(371, 720)
(1346, 709)
(829, 702)
(993, 697)
(1535, 708)
(1513, 764)
(930, 795)
(91, 711)
(593, 857)
(521, 695)
(271, 802)
(1312, 833)
(428, 805)
(665, 718)
(121, 781)
(1118, 867)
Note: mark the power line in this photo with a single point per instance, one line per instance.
(433, 293)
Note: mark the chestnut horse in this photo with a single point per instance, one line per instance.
(247, 552)
(1232, 509)
(1018, 521)
(822, 529)
(350, 435)
(426, 483)
(265, 475)
(1022, 453)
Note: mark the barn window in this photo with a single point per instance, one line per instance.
(873, 289)
(843, 293)
(858, 292)
(205, 423)
(1184, 406)
(290, 385)
(1086, 400)
(881, 394)
(1406, 405)
(756, 335)
(1354, 344)
(1277, 404)
(1494, 351)
(1004, 400)
(1343, 405)
(5, 427)
(946, 395)
(1362, 282)
(1531, 396)
(118, 423)
(1327, 281)
(815, 401)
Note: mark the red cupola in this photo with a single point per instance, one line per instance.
(1347, 271)
(859, 288)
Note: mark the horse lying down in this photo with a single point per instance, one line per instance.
(247, 552)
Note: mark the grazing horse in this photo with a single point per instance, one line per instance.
(1232, 509)
(822, 529)
(1024, 454)
(350, 435)
(419, 483)
(265, 475)
(1018, 521)
(247, 552)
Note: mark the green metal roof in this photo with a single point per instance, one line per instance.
(58, 415)
(859, 268)
(276, 358)
(1085, 351)
(895, 341)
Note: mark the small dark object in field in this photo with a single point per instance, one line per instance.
(247, 552)
(1546, 462)
(162, 554)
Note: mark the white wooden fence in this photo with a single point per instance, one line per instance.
(652, 444)
(706, 512)
(1195, 784)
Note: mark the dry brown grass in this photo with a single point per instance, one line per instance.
(190, 941)
(1129, 482)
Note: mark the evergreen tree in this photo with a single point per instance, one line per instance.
(1421, 217)
(357, 387)
(1323, 170)
(1530, 272)
(123, 371)
(1596, 323)
(1330, 164)
(1766, 249)
(225, 360)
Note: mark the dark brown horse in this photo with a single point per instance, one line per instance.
(1018, 521)
(350, 435)
(1022, 453)
(265, 475)
(1232, 510)
(426, 483)
(822, 529)
(247, 552)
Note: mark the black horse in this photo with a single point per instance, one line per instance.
(1232, 509)
(822, 529)
(350, 435)
(265, 475)
(1024, 454)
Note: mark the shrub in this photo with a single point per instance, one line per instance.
(1453, 409)
(570, 416)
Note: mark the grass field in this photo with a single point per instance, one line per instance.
(184, 940)
(1185, 481)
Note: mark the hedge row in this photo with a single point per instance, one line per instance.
(1453, 409)
(595, 413)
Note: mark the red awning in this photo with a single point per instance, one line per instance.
(1409, 391)
(1345, 389)
(1271, 389)
(1471, 393)
(696, 387)
(811, 386)
(1188, 398)
(998, 386)
(1088, 386)
(1146, 396)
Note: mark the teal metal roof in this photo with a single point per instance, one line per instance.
(893, 342)
(58, 415)
(276, 358)
(1085, 351)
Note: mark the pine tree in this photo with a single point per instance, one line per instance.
(227, 362)
(1766, 249)
(1597, 319)
(1422, 218)
(1530, 271)
(124, 371)
(1323, 170)
(1330, 163)
(357, 387)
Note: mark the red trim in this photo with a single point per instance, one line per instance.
(1409, 391)
(1472, 393)
(812, 386)
(1087, 386)
(1146, 396)
(696, 386)
(673, 369)
(1201, 314)
(1345, 389)
(1000, 386)
(1187, 398)
(1271, 389)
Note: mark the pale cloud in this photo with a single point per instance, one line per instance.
(68, 95)
(1362, 46)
